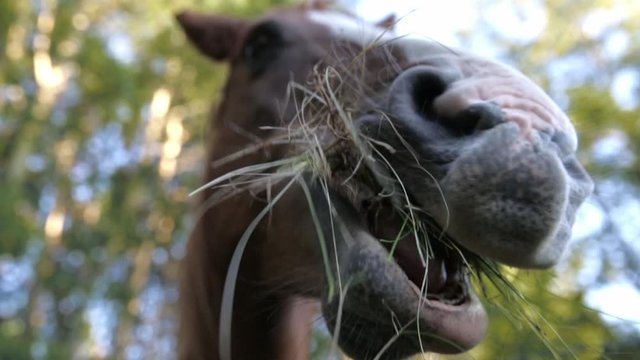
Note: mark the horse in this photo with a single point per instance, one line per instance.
(367, 177)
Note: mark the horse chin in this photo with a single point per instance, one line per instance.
(392, 304)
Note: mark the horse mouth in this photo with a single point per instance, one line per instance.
(439, 278)
(421, 283)
(447, 314)
(436, 271)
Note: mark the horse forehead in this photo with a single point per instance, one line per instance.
(348, 28)
(345, 27)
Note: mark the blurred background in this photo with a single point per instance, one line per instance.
(102, 112)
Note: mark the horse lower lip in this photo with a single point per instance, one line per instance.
(450, 316)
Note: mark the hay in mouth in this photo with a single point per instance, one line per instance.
(436, 269)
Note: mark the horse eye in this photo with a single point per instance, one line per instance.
(262, 47)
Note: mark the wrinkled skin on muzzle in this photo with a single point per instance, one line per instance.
(491, 159)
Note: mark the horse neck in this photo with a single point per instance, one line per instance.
(264, 325)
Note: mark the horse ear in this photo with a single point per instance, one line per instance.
(388, 22)
(215, 36)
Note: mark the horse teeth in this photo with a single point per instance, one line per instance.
(436, 276)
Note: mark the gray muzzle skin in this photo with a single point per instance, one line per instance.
(504, 186)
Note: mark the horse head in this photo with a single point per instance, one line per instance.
(372, 173)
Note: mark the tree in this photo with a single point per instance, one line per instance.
(102, 111)
(103, 107)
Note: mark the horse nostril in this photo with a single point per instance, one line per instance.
(414, 91)
(426, 87)
(412, 97)
(477, 117)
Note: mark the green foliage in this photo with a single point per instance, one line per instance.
(90, 221)
(542, 324)
(94, 211)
